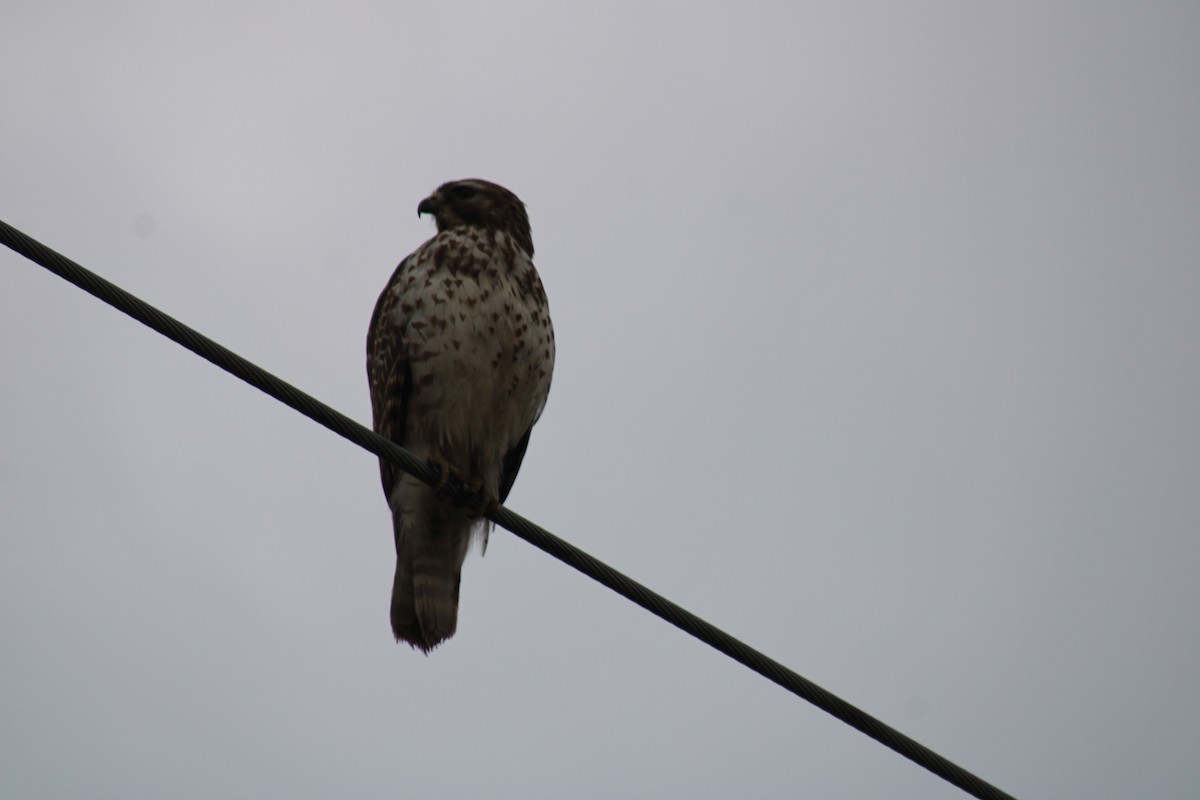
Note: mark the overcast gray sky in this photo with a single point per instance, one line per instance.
(877, 345)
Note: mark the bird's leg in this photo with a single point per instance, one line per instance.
(444, 472)
(485, 504)
(477, 501)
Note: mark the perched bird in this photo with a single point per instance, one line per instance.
(459, 357)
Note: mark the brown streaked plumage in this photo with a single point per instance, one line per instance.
(460, 353)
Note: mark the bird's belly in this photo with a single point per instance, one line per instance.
(480, 377)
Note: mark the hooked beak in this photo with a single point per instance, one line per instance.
(427, 206)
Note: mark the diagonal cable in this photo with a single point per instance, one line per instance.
(539, 537)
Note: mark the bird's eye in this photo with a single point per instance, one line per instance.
(463, 192)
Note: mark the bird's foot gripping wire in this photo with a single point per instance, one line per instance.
(482, 503)
(446, 475)
(469, 494)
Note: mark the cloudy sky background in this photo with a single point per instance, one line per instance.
(877, 327)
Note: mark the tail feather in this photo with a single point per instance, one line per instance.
(435, 589)
(425, 599)
(431, 544)
(404, 609)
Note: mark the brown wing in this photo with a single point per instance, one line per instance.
(512, 464)
(389, 374)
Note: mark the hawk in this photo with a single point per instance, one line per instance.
(459, 357)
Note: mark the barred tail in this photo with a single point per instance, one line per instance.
(425, 601)
(429, 559)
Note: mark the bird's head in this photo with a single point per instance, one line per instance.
(479, 203)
